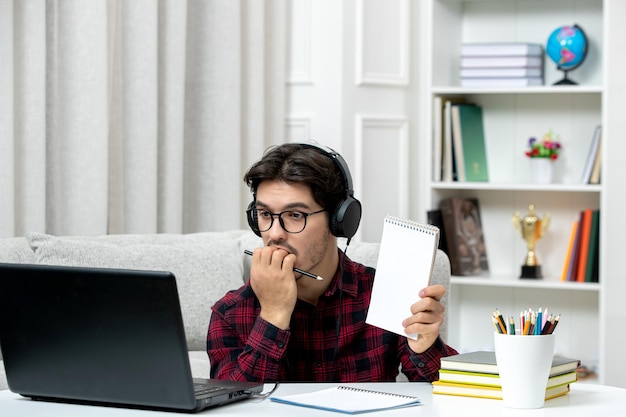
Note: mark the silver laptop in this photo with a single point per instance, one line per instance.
(101, 336)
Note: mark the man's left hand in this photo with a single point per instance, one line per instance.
(426, 319)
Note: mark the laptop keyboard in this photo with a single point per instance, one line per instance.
(205, 389)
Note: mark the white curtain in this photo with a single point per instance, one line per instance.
(135, 116)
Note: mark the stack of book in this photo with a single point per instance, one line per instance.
(501, 64)
(475, 374)
(593, 162)
(581, 260)
(459, 142)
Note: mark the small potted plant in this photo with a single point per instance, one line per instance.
(542, 154)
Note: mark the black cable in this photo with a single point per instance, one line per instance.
(338, 322)
(263, 395)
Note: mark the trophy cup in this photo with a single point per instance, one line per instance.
(532, 229)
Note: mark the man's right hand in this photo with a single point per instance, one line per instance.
(273, 281)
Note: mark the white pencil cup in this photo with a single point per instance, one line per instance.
(524, 364)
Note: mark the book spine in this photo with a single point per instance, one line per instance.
(501, 72)
(473, 143)
(595, 172)
(437, 138)
(571, 272)
(502, 62)
(501, 49)
(501, 82)
(591, 156)
(592, 253)
(448, 159)
(570, 248)
(457, 137)
(584, 245)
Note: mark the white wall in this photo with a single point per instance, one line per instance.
(352, 79)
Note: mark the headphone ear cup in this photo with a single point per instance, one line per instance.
(345, 221)
(253, 221)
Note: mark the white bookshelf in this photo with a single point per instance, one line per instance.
(511, 116)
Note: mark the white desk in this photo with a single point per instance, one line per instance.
(584, 400)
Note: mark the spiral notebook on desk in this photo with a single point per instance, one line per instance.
(348, 400)
(405, 266)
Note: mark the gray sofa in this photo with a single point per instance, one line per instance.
(206, 266)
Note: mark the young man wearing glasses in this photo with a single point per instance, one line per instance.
(285, 326)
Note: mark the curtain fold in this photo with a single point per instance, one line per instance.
(135, 116)
(8, 224)
(139, 122)
(29, 114)
(171, 113)
(77, 122)
(213, 115)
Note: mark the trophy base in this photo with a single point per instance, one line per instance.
(531, 272)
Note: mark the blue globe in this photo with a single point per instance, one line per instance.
(567, 47)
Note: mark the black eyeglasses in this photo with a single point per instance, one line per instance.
(291, 221)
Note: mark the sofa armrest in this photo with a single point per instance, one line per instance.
(16, 250)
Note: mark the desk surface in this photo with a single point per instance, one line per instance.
(584, 400)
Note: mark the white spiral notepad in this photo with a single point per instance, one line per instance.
(405, 266)
(349, 400)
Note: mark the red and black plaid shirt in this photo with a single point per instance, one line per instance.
(242, 346)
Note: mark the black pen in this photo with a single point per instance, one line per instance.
(298, 270)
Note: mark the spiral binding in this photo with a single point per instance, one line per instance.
(413, 225)
(368, 391)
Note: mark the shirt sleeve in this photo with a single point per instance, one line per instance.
(424, 366)
(257, 358)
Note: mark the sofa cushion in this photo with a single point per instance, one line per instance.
(206, 265)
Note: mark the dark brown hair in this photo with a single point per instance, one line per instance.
(295, 163)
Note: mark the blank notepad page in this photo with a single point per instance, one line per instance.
(349, 400)
(405, 265)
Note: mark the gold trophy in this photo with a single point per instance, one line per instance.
(532, 229)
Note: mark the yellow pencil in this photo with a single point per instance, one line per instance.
(498, 317)
(526, 327)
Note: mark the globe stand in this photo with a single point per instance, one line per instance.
(565, 80)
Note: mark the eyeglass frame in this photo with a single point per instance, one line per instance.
(280, 218)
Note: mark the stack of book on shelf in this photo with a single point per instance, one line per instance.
(501, 64)
(581, 259)
(459, 145)
(475, 374)
(591, 170)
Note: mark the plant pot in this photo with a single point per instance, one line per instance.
(542, 170)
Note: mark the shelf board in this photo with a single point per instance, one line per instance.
(545, 89)
(504, 186)
(525, 283)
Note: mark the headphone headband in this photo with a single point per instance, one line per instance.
(339, 161)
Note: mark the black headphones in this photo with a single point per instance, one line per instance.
(345, 219)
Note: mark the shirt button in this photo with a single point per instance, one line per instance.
(421, 364)
(280, 344)
(318, 364)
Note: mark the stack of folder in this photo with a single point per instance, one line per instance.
(475, 374)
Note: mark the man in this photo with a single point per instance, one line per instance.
(285, 326)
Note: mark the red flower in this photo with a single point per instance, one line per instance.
(548, 147)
